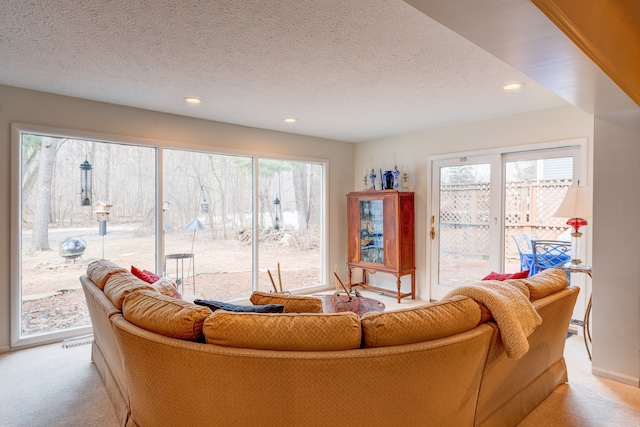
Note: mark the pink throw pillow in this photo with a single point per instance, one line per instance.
(506, 276)
(151, 275)
(520, 275)
(142, 275)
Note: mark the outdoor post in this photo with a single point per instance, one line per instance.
(101, 210)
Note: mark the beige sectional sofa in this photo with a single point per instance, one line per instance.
(172, 363)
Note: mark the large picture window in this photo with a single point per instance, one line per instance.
(212, 222)
(290, 222)
(62, 182)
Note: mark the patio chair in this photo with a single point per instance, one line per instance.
(549, 253)
(523, 243)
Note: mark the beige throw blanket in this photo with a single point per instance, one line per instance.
(513, 312)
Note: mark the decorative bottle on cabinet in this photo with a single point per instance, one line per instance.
(381, 236)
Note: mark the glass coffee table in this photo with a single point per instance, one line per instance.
(358, 304)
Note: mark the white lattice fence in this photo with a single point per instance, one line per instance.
(529, 208)
(464, 219)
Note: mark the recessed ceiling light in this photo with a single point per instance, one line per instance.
(192, 100)
(513, 86)
(289, 120)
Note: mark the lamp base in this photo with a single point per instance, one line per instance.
(575, 247)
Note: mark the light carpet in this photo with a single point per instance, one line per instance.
(55, 386)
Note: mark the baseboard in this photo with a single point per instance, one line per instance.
(77, 341)
(4, 349)
(615, 376)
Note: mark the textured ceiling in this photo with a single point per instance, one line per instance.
(350, 70)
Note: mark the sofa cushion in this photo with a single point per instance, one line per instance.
(219, 305)
(289, 331)
(544, 283)
(292, 303)
(485, 313)
(423, 323)
(164, 315)
(100, 270)
(120, 284)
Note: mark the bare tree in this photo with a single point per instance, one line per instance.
(30, 160)
(40, 236)
(300, 191)
(220, 187)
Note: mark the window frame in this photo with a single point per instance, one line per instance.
(18, 129)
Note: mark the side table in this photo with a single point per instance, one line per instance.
(586, 269)
(191, 268)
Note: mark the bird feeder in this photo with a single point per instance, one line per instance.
(101, 211)
(85, 183)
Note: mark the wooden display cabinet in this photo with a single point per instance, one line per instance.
(381, 236)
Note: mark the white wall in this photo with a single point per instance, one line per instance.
(412, 151)
(616, 253)
(37, 108)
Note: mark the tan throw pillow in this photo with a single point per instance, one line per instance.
(99, 271)
(120, 284)
(166, 286)
(164, 315)
(424, 323)
(545, 283)
(294, 332)
(292, 303)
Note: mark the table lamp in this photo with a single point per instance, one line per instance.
(576, 206)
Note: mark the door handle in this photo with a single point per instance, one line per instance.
(433, 230)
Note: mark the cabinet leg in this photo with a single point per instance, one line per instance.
(399, 283)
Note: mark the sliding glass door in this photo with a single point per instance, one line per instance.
(535, 184)
(463, 225)
(482, 203)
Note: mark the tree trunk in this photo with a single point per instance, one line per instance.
(300, 192)
(30, 156)
(40, 235)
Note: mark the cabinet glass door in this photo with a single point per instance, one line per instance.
(371, 231)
